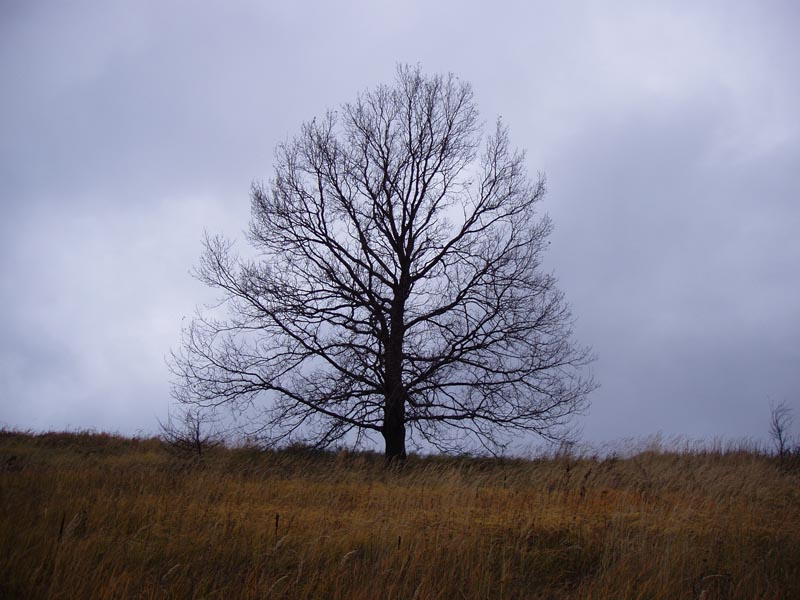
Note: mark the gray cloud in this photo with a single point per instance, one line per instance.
(670, 136)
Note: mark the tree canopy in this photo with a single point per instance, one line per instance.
(396, 287)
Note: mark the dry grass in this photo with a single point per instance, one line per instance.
(98, 516)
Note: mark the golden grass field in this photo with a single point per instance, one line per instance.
(99, 516)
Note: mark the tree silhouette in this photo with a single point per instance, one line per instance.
(397, 287)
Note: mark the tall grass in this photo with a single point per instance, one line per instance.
(99, 516)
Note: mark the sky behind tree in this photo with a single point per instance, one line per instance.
(669, 134)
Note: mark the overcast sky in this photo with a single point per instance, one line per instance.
(669, 133)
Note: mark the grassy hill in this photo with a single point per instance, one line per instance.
(99, 516)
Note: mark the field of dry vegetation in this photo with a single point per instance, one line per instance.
(99, 516)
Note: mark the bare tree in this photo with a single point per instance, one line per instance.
(780, 424)
(398, 288)
(190, 431)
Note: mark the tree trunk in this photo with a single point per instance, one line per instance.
(394, 430)
(394, 409)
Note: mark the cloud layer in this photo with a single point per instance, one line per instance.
(670, 136)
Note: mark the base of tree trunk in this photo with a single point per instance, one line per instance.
(395, 439)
